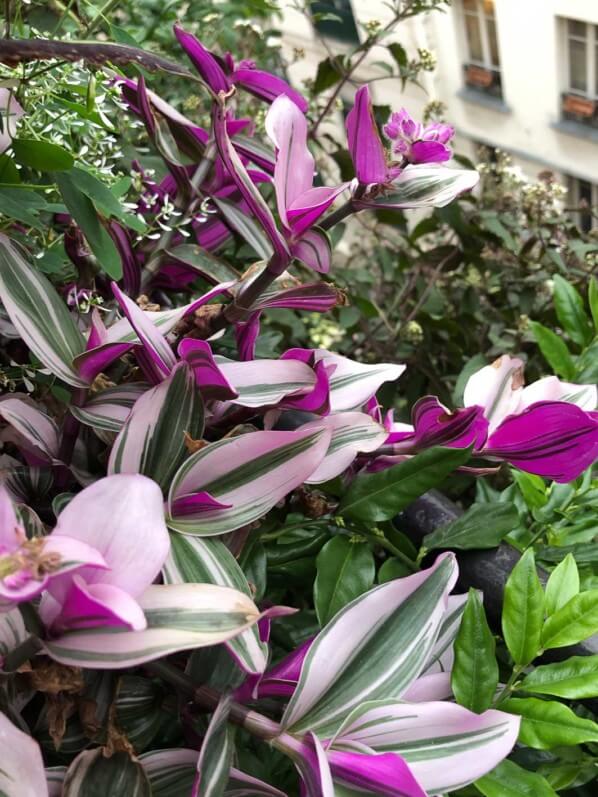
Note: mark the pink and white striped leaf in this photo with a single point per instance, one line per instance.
(315, 297)
(314, 250)
(152, 439)
(352, 384)
(173, 772)
(210, 380)
(445, 745)
(179, 617)
(355, 658)
(22, 769)
(352, 433)
(250, 473)
(107, 411)
(153, 340)
(259, 383)
(497, 388)
(441, 656)
(38, 429)
(423, 186)
(111, 343)
(39, 314)
(208, 561)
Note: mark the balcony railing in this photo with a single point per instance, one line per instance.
(483, 79)
(577, 108)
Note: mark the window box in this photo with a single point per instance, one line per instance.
(579, 106)
(484, 79)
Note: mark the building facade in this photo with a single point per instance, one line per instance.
(518, 75)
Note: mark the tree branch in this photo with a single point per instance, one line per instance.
(17, 51)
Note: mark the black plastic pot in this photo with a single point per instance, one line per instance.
(484, 570)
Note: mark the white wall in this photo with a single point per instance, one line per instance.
(532, 69)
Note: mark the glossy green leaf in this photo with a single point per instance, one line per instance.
(562, 585)
(570, 311)
(43, 156)
(554, 349)
(18, 204)
(573, 623)
(103, 198)
(481, 526)
(510, 780)
(346, 569)
(575, 678)
(204, 263)
(523, 610)
(83, 211)
(374, 497)
(92, 774)
(547, 724)
(474, 676)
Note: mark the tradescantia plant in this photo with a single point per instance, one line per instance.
(170, 451)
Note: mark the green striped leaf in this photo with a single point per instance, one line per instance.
(423, 185)
(179, 617)
(208, 561)
(247, 474)
(356, 657)
(152, 440)
(259, 383)
(12, 632)
(172, 774)
(37, 428)
(93, 774)
(216, 754)
(246, 226)
(39, 314)
(110, 409)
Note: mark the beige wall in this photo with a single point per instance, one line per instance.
(532, 52)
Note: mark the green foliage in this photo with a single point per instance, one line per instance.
(474, 677)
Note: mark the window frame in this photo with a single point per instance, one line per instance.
(482, 22)
(323, 29)
(591, 41)
(574, 198)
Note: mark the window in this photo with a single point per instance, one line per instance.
(343, 27)
(579, 101)
(482, 70)
(585, 194)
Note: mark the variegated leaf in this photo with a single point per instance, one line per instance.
(355, 658)
(152, 440)
(39, 314)
(172, 772)
(21, 764)
(446, 746)
(12, 633)
(110, 409)
(216, 754)
(259, 383)
(179, 617)
(352, 384)
(247, 474)
(94, 773)
(203, 560)
(422, 186)
(352, 433)
(38, 429)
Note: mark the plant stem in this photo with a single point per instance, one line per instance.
(197, 179)
(25, 651)
(257, 724)
(338, 215)
(16, 51)
(508, 687)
